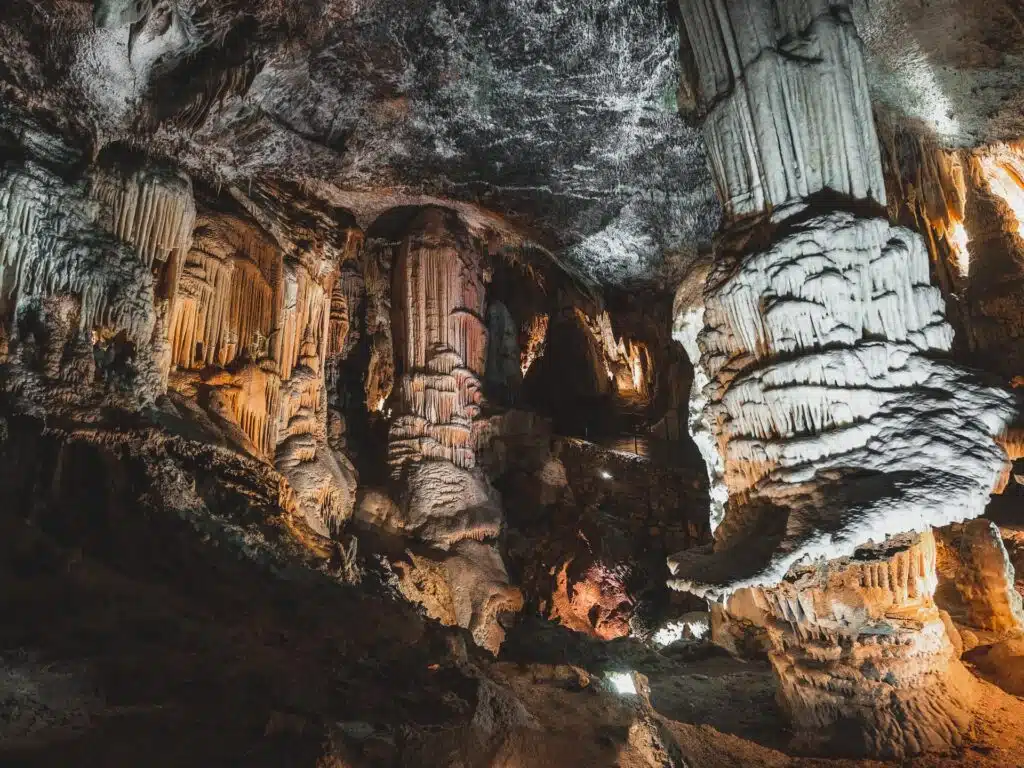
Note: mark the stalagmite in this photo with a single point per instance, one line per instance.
(826, 406)
(976, 578)
(899, 679)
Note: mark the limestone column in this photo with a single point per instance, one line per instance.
(836, 430)
(440, 341)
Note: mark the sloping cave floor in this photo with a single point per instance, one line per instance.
(133, 636)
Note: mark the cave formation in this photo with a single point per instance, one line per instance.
(394, 383)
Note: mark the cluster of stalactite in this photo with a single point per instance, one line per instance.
(61, 241)
(114, 279)
(627, 363)
(226, 296)
(755, 69)
(825, 400)
(254, 321)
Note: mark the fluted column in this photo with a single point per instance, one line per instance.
(440, 346)
(831, 415)
(441, 343)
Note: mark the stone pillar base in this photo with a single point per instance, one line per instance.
(864, 662)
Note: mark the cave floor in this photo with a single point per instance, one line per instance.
(134, 635)
(208, 663)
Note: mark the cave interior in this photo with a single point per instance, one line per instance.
(626, 383)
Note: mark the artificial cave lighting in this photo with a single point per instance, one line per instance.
(692, 628)
(959, 240)
(623, 683)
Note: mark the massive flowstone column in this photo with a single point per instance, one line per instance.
(438, 307)
(836, 430)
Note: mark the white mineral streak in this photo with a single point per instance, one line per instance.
(781, 126)
(50, 244)
(822, 392)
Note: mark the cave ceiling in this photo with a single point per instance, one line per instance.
(552, 123)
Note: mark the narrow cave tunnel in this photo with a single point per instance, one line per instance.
(624, 384)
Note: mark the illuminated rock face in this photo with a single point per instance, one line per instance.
(827, 413)
(969, 204)
(256, 325)
(977, 578)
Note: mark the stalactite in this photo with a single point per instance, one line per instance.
(229, 286)
(49, 244)
(199, 324)
(150, 208)
(347, 295)
(536, 334)
(305, 311)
